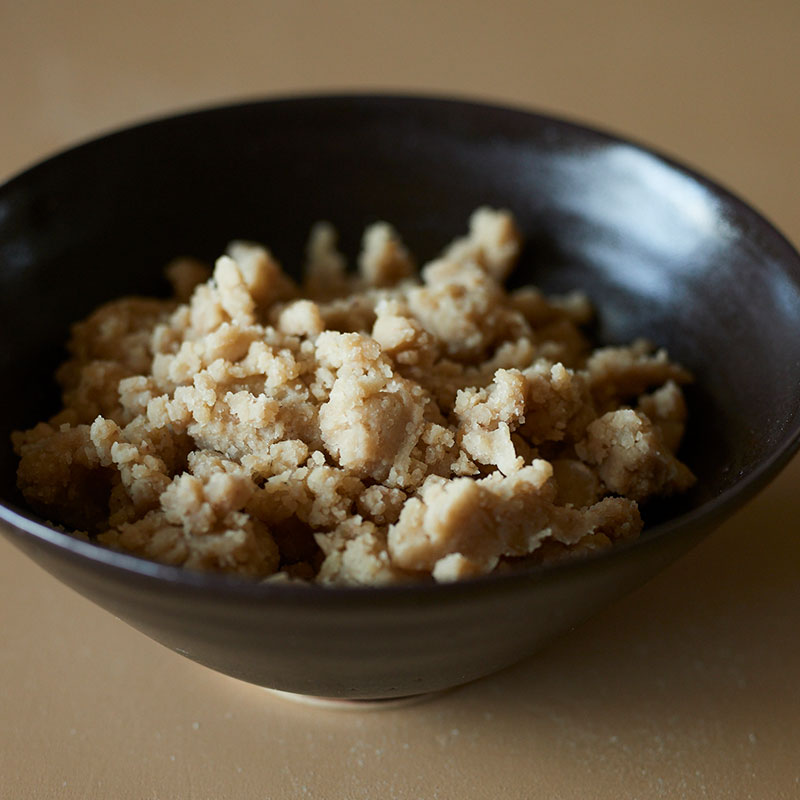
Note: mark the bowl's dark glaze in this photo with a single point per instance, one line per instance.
(662, 252)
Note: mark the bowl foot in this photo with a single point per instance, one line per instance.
(345, 704)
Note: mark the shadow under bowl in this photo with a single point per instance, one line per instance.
(662, 252)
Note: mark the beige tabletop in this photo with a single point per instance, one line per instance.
(688, 688)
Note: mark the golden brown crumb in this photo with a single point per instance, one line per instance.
(370, 428)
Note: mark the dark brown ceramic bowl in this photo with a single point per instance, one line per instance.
(663, 252)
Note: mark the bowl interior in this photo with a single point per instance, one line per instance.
(661, 252)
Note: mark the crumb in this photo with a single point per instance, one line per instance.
(368, 427)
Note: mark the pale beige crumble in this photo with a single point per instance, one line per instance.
(363, 428)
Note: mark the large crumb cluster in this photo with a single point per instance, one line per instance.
(368, 428)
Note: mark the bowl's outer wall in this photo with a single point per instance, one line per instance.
(362, 644)
(661, 253)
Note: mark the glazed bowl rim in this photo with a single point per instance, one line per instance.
(708, 513)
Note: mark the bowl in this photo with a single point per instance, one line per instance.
(662, 251)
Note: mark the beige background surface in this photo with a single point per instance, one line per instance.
(687, 688)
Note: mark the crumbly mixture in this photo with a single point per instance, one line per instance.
(368, 428)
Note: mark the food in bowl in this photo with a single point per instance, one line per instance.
(370, 428)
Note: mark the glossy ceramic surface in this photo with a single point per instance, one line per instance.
(662, 252)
